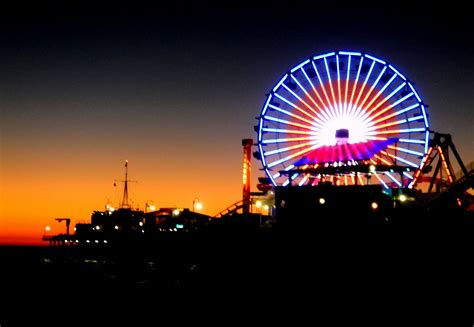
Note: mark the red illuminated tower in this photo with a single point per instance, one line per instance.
(247, 144)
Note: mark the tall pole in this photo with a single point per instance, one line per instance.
(125, 188)
(247, 144)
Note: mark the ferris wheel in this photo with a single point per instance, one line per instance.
(335, 113)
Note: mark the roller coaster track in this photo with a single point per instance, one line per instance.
(230, 210)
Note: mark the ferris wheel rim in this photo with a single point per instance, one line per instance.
(308, 123)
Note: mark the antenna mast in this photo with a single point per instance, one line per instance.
(125, 188)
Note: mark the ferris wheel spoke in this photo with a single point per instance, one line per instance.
(404, 110)
(321, 110)
(367, 112)
(302, 101)
(293, 147)
(317, 122)
(339, 87)
(347, 83)
(287, 131)
(393, 105)
(291, 156)
(361, 91)
(384, 100)
(287, 140)
(397, 148)
(330, 86)
(294, 105)
(321, 84)
(393, 179)
(287, 122)
(369, 93)
(319, 114)
(400, 159)
(354, 87)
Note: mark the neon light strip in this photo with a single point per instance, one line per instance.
(347, 84)
(407, 175)
(339, 85)
(355, 85)
(376, 127)
(361, 91)
(397, 72)
(387, 98)
(303, 180)
(330, 85)
(375, 59)
(294, 139)
(396, 113)
(266, 104)
(424, 115)
(414, 91)
(293, 105)
(374, 85)
(427, 136)
(400, 159)
(319, 114)
(410, 130)
(360, 180)
(288, 131)
(315, 122)
(378, 94)
(291, 156)
(300, 65)
(415, 118)
(385, 161)
(324, 91)
(393, 179)
(392, 105)
(286, 169)
(280, 82)
(348, 53)
(443, 160)
(301, 100)
(411, 141)
(416, 153)
(322, 110)
(324, 55)
(287, 122)
(297, 146)
(345, 180)
(381, 181)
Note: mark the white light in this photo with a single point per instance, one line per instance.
(258, 204)
(402, 197)
(140, 223)
(374, 205)
(116, 227)
(322, 201)
(198, 206)
(358, 129)
(176, 212)
(97, 227)
(266, 207)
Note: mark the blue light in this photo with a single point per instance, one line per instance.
(280, 82)
(415, 118)
(278, 120)
(381, 181)
(414, 91)
(393, 179)
(323, 112)
(330, 85)
(355, 83)
(324, 91)
(375, 59)
(424, 115)
(348, 53)
(407, 175)
(416, 153)
(266, 105)
(324, 55)
(411, 141)
(427, 136)
(298, 117)
(397, 72)
(300, 65)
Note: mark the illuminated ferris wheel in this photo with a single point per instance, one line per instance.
(346, 117)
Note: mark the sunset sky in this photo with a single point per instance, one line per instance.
(175, 89)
